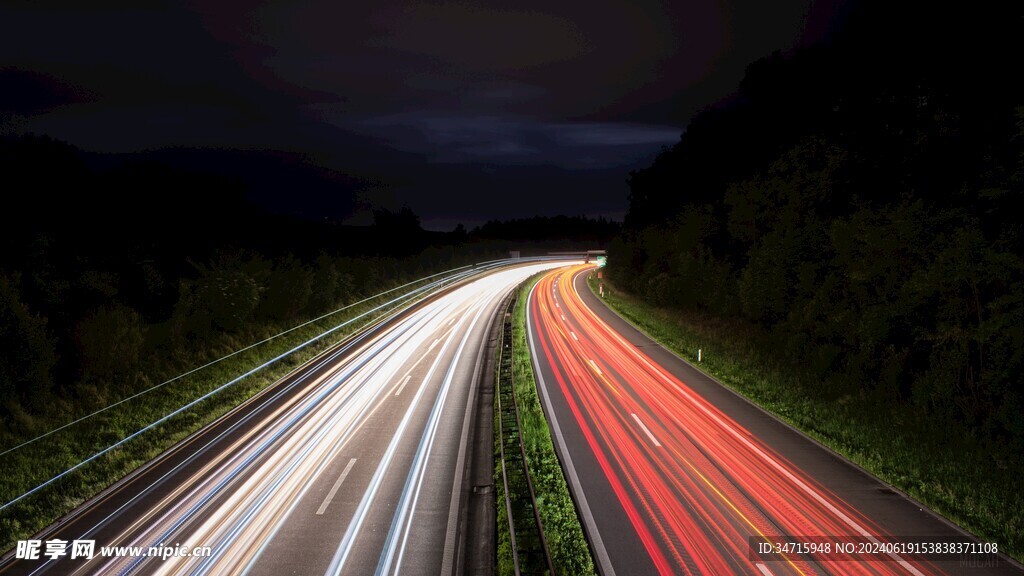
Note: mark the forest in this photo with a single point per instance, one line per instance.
(854, 209)
(113, 278)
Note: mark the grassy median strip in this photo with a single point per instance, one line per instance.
(970, 487)
(570, 553)
(30, 465)
(505, 564)
(516, 514)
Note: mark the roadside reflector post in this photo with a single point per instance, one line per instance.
(698, 354)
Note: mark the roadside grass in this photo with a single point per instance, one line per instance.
(570, 553)
(505, 563)
(976, 485)
(29, 466)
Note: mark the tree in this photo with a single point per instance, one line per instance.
(223, 298)
(110, 341)
(326, 286)
(288, 290)
(26, 374)
(397, 233)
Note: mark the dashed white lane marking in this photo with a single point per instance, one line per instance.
(334, 489)
(646, 431)
(807, 489)
(404, 382)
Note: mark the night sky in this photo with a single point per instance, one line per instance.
(464, 112)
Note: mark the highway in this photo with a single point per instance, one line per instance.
(356, 463)
(674, 474)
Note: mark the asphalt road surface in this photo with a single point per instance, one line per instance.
(675, 474)
(353, 464)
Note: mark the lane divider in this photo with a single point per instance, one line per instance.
(404, 382)
(646, 431)
(334, 489)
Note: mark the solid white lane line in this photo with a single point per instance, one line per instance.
(596, 541)
(646, 431)
(771, 461)
(401, 525)
(259, 492)
(334, 489)
(361, 416)
(362, 511)
(764, 569)
(387, 560)
(448, 554)
(404, 382)
(417, 363)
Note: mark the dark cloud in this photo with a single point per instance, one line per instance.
(406, 98)
(27, 93)
(479, 38)
(453, 138)
(446, 195)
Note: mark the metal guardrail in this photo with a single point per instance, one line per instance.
(429, 284)
(530, 554)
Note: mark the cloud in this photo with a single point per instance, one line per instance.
(546, 100)
(28, 93)
(478, 37)
(445, 137)
(614, 134)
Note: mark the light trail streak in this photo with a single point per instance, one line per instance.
(414, 483)
(693, 483)
(447, 278)
(238, 497)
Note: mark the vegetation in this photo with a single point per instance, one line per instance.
(503, 550)
(843, 231)
(32, 464)
(96, 307)
(570, 553)
(978, 490)
(509, 472)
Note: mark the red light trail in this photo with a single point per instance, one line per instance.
(694, 483)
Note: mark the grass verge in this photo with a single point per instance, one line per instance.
(505, 562)
(570, 553)
(975, 486)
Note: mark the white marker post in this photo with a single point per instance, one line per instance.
(698, 354)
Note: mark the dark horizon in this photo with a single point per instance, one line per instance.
(444, 109)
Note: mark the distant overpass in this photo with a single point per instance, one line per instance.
(587, 255)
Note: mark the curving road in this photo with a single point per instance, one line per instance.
(354, 464)
(675, 474)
